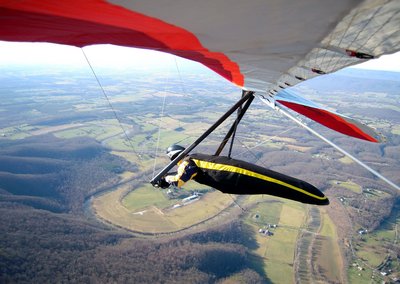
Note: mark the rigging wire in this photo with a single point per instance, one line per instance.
(238, 205)
(182, 85)
(110, 105)
(159, 132)
(248, 149)
(353, 37)
(280, 109)
(162, 114)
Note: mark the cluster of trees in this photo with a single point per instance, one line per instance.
(42, 247)
(46, 238)
(365, 211)
(370, 213)
(55, 174)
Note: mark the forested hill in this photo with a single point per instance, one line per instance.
(357, 80)
(60, 143)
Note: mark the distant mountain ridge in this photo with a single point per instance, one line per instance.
(368, 73)
(357, 80)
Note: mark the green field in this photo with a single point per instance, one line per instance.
(16, 132)
(99, 130)
(348, 185)
(396, 129)
(369, 251)
(328, 257)
(147, 210)
(145, 196)
(278, 250)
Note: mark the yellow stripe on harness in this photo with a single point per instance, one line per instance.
(233, 169)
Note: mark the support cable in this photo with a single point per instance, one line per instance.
(110, 105)
(163, 110)
(249, 149)
(279, 108)
(159, 133)
(232, 130)
(200, 139)
(235, 125)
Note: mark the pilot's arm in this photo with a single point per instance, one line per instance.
(186, 171)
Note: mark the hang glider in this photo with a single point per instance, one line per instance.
(263, 46)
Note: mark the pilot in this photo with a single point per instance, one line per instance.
(238, 177)
(187, 168)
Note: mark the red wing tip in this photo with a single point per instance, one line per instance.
(346, 126)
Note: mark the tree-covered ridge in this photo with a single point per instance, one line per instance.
(60, 143)
(43, 247)
(55, 174)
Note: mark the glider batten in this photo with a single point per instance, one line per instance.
(367, 31)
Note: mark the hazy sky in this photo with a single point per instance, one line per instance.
(114, 56)
(106, 55)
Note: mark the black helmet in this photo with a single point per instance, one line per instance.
(174, 150)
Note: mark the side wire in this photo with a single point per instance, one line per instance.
(234, 201)
(160, 121)
(110, 105)
(159, 133)
(180, 76)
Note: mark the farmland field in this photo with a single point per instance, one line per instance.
(75, 171)
(147, 210)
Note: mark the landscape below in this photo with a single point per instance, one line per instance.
(76, 205)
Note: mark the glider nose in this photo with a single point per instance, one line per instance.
(324, 201)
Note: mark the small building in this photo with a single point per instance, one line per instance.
(265, 232)
(362, 231)
(268, 233)
(191, 198)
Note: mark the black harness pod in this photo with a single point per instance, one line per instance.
(240, 177)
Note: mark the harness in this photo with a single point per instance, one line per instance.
(239, 177)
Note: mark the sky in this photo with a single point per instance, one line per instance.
(106, 55)
(386, 62)
(115, 56)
